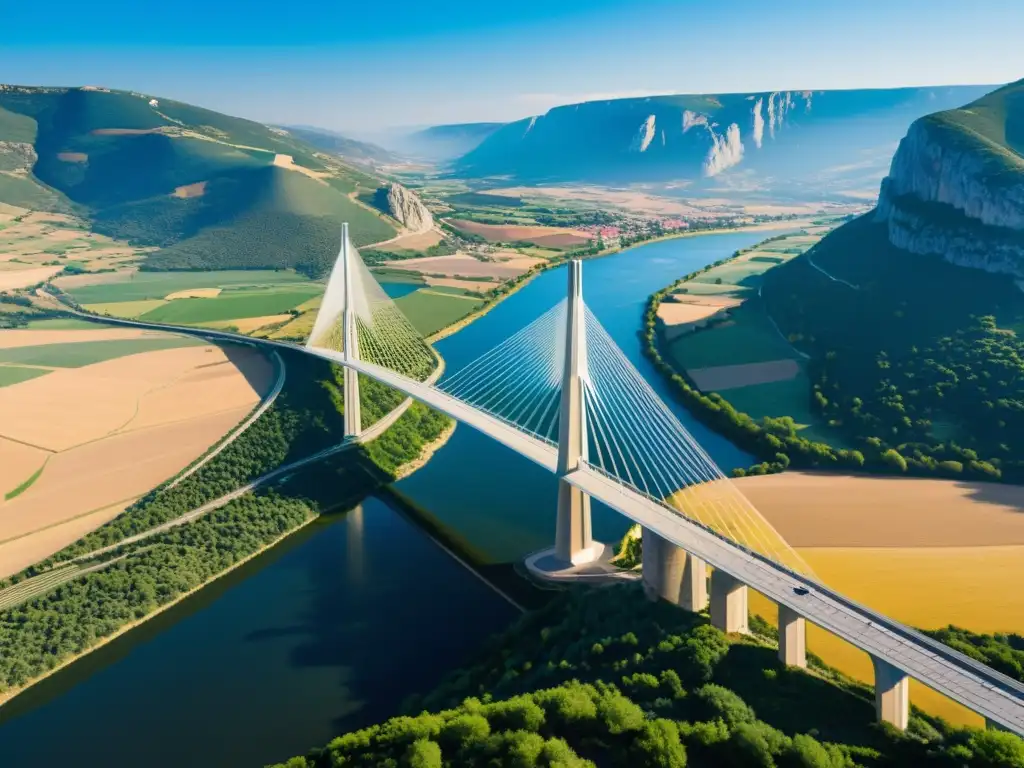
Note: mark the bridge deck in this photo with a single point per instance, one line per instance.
(976, 686)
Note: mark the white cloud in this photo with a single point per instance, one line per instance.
(726, 151)
(771, 115)
(758, 123)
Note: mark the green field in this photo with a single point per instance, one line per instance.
(157, 285)
(746, 273)
(430, 312)
(784, 398)
(76, 355)
(750, 339)
(11, 374)
(229, 306)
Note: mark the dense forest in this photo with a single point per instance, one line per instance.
(915, 360)
(911, 366)
(39, 635)
(776, 441)
(604, 677)
(134, 580)
(1002, 652)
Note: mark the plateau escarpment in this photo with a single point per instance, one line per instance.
(797, 142)
(956, 185)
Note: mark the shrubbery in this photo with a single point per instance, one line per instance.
(905, 450)
(607, 678)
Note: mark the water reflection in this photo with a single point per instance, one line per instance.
(355, 546)
(328, 632)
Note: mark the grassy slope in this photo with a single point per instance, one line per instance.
(252, 214)
(992, 129)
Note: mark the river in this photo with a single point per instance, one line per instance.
(331, 629)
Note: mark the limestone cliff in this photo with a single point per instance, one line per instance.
(406, 208)
(956, 186)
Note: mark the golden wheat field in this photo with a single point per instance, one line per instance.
(926, 552)
(79, 443)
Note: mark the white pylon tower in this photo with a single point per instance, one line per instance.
(353, 422)
(573, 539)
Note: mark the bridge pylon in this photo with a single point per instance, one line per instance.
(573, 540)
(350, 348)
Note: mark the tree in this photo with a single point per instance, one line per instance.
(892, 458)
(423, 754)
(997, 748)
(658, 746)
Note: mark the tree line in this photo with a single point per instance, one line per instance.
(603, 677)
(973, 371)
(47, 630)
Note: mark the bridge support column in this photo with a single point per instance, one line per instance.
(892, 694)
(672, 574)
(573, 540)
(353, 418)
(728, 602)
(792, 638)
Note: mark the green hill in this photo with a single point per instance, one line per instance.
(992, 128)
(201, 186)
(606, 678)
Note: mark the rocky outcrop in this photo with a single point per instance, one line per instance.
(17, 156)
(956, 194)
(406, 208)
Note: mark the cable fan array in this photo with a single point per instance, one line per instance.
(519, 381)
(632, 436)
(636, 439)
(386, 338)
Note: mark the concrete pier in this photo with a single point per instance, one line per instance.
(573, 538)
(892, 694)
(671, 574)
(792, 638)
(728, 603)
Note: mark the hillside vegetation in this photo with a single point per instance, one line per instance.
(920, 364)
(201, 186)
(606, 678)
(59, 623)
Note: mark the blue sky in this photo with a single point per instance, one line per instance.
(362, 66)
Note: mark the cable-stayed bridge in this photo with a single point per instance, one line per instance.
(562, 394)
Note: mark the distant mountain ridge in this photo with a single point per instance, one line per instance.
(341, 145)
(207, 189)
(821, 140)
(441, 143)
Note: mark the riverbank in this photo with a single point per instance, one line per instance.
(426, 452)
(8, 695)
(524, 279)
